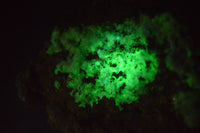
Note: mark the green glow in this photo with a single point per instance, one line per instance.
(105, 62)
(57, 85)
(187, 103)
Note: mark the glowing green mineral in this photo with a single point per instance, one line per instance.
(57, 84)
(111, 61)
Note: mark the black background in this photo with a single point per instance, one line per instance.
(25, 26)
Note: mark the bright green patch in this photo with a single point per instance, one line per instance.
(111, 61)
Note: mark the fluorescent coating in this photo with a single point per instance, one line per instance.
(57, 85)
(105, 62)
